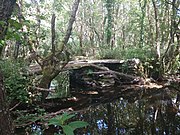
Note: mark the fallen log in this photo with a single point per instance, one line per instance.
(130, 65)
(96, 77)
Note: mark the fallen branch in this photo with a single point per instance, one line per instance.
(43, 89)
(14, 106)
(46, 116)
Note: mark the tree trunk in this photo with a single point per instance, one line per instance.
(52, 65)
(157, 44)
(6, 128)
(143, 11)
(6, 8)
(70, 23)
(53, 33)
(109, 5)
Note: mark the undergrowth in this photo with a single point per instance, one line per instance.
(15, 81)
(143, 54)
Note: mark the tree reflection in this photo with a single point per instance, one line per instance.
(148, 116)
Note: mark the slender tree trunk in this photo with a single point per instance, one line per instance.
(53, 33)
(157, 44)
(16, 49)
(143, 11)
(71, 21)
(6, 128)
(81, 39)
(109, 21)
(123, 37)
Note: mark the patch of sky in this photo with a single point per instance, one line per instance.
(101, 124)
(36, 130)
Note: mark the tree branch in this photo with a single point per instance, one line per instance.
(53, 33)
(70, 24)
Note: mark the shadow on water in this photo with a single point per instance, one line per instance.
(139, 118)
(120, 117)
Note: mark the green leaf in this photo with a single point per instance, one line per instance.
(78, 124)
(54, 121)
(17, 36)
(60, 120)
(16, 24)
(68, 130)
(41, 17)
(67, 116)
(2, 43)
(2, 22)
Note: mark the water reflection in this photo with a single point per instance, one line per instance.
(142, 117)
(139, 118)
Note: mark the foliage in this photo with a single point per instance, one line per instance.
(16, 83)
(13, 30)
(143, 54)
(106, 53)
(24, 117)
(68, 128)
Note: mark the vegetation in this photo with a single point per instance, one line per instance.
(68, 129)
(48, 34)
(16, 83)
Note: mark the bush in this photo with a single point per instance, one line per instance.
(143, 54)
(107, 53)
(15, 82)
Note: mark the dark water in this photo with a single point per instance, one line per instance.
(123, 118)
(161, 117)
